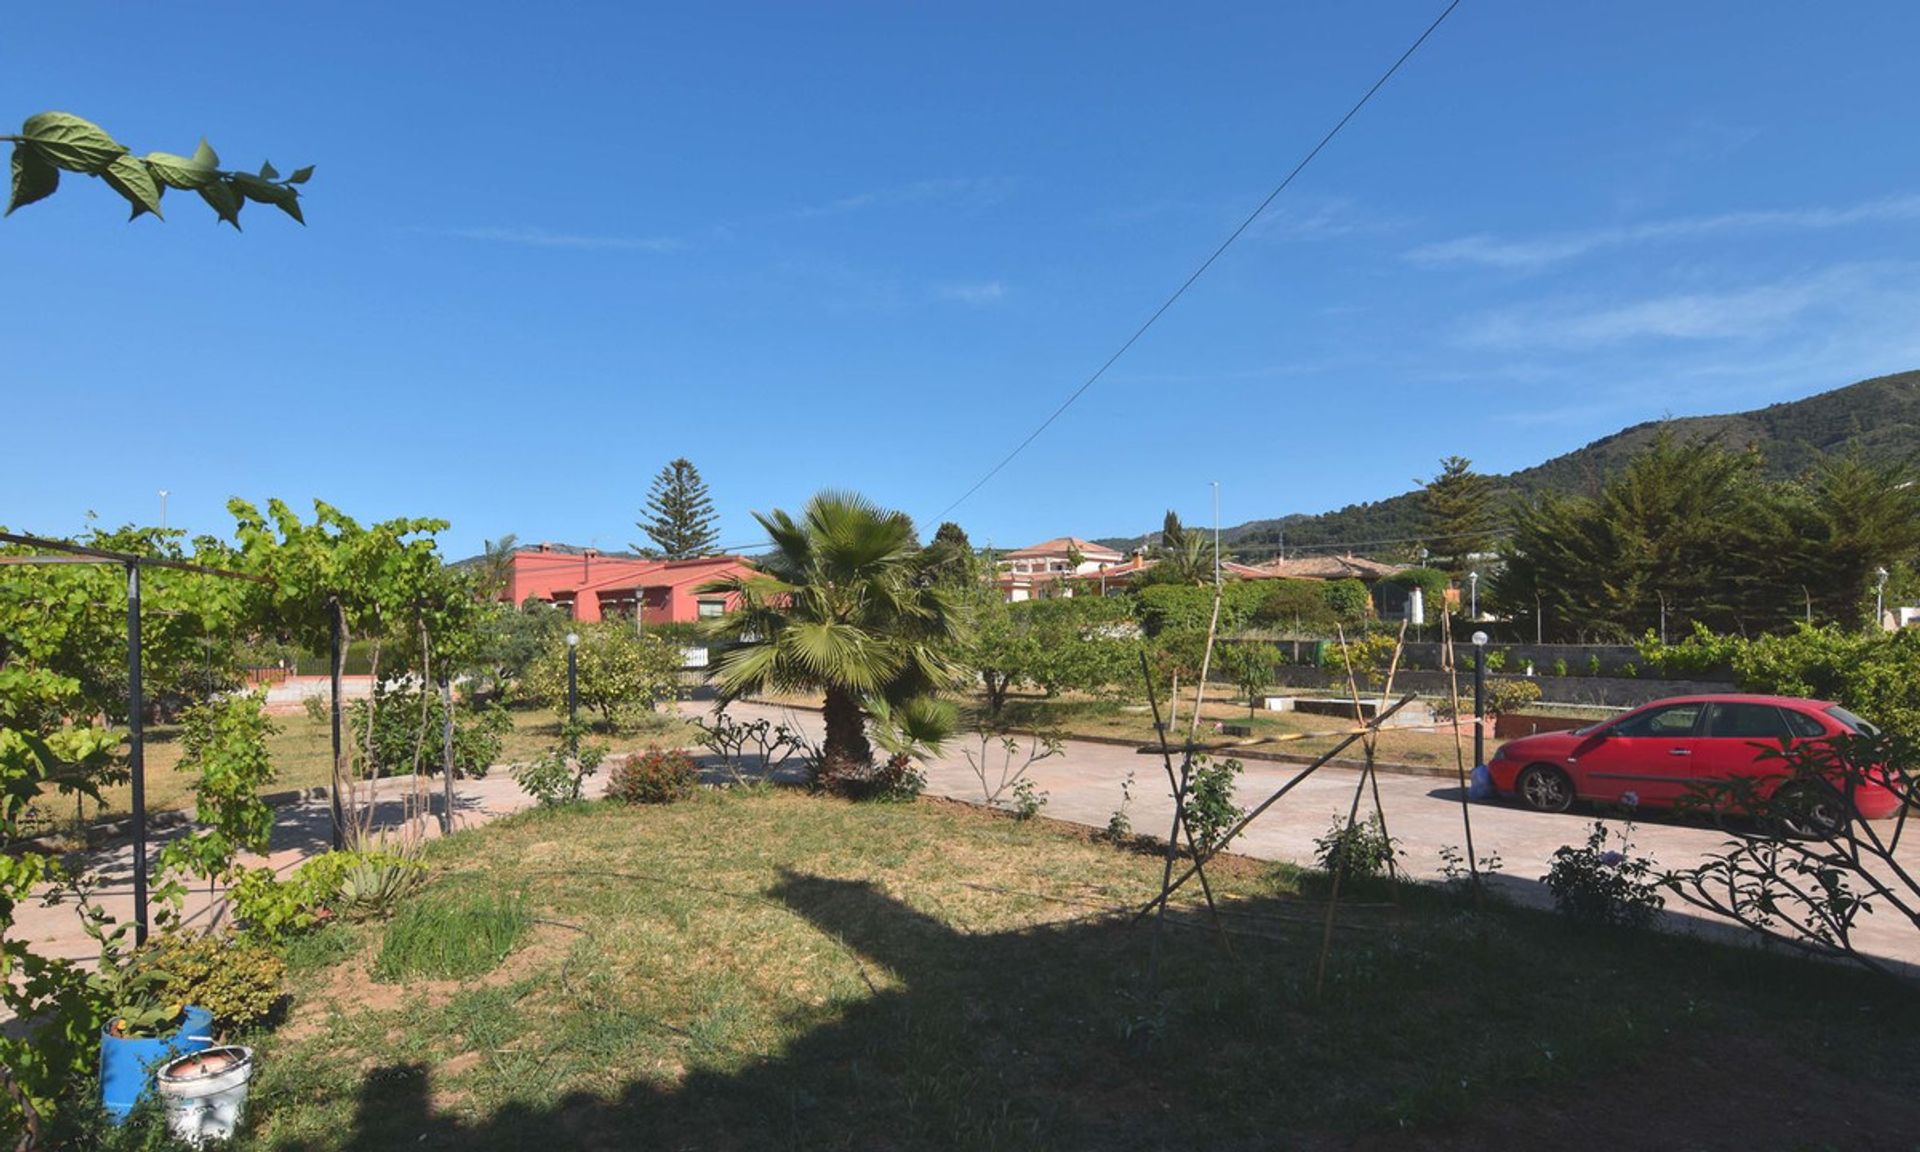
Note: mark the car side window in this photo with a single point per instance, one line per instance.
(1673, 721)
(1802, 725)
(1748, 722)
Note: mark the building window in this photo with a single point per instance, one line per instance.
(712, 609)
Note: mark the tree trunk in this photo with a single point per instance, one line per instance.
(846, 749)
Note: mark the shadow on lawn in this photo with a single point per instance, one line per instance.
(1031, 1038)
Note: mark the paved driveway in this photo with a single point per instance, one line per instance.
(1084, 785)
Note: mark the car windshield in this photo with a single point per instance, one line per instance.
(1854, 723)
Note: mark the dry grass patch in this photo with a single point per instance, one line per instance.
(785, 970)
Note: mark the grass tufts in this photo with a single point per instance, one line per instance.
(451, 934)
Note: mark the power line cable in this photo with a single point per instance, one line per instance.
(1204, 265)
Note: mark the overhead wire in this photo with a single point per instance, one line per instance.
(1204, 264)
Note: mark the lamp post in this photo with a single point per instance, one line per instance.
(1880, 598)
(1473, 595)
(573, 687)
(163, 507)
(1479, 698)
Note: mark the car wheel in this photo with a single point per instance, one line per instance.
(1544, 788)
(1809, 811)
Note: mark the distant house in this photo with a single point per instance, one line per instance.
(1327, 568)
(1390, 600)
(590, 585)
(1046, 568)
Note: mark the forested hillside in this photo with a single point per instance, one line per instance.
(1881, 417)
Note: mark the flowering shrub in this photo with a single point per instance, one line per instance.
(654, 777)
(1595, 884)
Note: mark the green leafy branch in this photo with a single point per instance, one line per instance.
(53, 142)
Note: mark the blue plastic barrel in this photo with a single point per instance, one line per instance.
(127, 1065)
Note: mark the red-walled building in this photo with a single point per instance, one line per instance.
(596, 587)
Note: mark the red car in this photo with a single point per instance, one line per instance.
(1663, 752)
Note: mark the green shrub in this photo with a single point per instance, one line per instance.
(1349, 600)
(1356, 850)
(559, 776)
(1560, 667)
(451, 935)
(403, 734)
(1027, 799)
(1702, 652)
(619, 674)
(1299, 606)
(1211, 807)
(1598, 885)
(654, 777)
(1503, 697)
(239, 981)
(1872, 674)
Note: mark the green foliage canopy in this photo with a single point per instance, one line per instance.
(50, 143)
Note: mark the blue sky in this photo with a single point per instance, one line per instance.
(870, 246)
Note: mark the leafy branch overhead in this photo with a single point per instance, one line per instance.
(55, 142)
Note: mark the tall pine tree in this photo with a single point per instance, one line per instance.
(1457, 515)
(679, 514)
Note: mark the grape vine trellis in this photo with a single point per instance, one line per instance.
(55, 142)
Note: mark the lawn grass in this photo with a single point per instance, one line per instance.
(301, 749)
(771, 969)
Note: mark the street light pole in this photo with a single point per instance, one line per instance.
(163, 509)
(1479, 698)
(573, 689)
(1473, 595)
(1880, 598)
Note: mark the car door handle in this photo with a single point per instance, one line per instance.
(1679, 751)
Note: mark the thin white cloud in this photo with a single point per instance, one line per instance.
(979, 294)
(1320, 218)
(1749, 313)
(541, 238)
(1523, 254)
(960, 190)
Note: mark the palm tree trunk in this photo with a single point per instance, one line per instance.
(846, 749)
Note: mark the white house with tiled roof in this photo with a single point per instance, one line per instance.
(1027, 572)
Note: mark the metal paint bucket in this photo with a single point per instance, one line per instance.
(205, 1094)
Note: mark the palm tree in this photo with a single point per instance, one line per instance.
(496, 566)
(839, 606)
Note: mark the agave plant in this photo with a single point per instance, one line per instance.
(372, 886)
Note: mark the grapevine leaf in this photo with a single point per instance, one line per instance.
(281, 196)
(301, 175)
(131, 179)
(72, 143)
(267, 171)
(255, 189)
(33, 177)
(205, 156)
(180, 171)
(220, 196)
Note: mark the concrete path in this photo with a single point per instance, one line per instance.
(1082, 785)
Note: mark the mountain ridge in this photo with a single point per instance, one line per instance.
(1880, 417)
